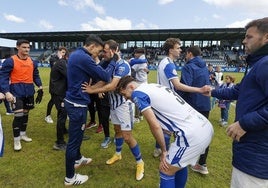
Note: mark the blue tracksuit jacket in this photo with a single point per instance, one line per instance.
(250, 155)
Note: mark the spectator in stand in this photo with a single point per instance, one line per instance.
(17, 82)
(194, 73)
(250, 129)
(61, 53)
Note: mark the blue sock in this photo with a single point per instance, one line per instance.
(119, 144)
(167, 181)
(181, 178)
(136, 152)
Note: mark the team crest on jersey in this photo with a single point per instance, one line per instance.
(174, 72)
(121, 70)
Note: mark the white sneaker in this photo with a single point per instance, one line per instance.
(136, 120)
(224, 123)
(25, 138)
(78, 179)
(17, 145)
(48, 119)
(82, 162)
(202, 169)
(157, 152)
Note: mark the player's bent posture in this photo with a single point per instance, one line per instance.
(164, 109)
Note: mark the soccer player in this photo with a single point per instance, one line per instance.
(2, 97)
(167, 76)
(121, 110)
(18, 75)
(165, 109)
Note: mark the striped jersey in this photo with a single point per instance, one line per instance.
(173, 113)
(122, 69)
(165, 72)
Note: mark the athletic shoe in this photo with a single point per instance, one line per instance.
(10, 113)
(224, 124)
(99, 129)
(82, 162)
(25, 138)
(86, 137)
(140, 171)
(114, 159)
(91, 125)
(17, 145)
(106, 142)
(48, 119)
(157, 152)
(136, 120)
(78, 179)
(61, 147)
(202, 169)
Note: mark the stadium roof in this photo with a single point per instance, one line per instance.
(121, 36)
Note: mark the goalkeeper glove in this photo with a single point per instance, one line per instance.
(39, 96)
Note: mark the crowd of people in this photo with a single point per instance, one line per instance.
(173, 106)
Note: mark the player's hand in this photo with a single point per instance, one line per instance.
(86, 87)
(2, 96)
(235, 131)
(39, 96)
(101, 95)
(206, 90)
(163, 163)
(9, 97)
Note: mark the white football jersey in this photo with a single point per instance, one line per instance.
(165, 72)
(122, 69)
(173, 113)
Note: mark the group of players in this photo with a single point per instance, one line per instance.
(161, 106)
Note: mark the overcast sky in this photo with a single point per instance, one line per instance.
(84, 15)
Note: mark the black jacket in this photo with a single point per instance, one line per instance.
(58, 78)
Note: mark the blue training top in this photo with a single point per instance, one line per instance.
(81, 68)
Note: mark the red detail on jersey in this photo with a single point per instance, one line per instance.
(22, 71)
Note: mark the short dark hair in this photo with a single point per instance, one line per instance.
(261, 24)
(139, 51)
(123, 82)
(195, 50)
(113, 45)
(62, 48)
(93, 39)
(21, 41)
